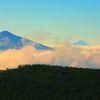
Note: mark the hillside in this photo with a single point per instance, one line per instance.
(45, 82)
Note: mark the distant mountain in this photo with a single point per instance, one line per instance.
(10, 41)
(81, 43)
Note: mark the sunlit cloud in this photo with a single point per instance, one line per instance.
(65, 55)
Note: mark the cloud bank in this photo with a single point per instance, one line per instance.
(65, 55)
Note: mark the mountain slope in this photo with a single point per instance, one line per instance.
(11, 41)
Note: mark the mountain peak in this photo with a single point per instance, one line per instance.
(81, 43)
(6, 33)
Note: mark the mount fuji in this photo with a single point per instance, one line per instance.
(10, 41)
(81, 43)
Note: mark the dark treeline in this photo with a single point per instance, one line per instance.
(45, 82)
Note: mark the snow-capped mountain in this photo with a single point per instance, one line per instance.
(81, 43)
(10, 41)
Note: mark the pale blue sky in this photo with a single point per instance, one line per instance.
(52, 19)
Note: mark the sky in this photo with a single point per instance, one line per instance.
(52, 21)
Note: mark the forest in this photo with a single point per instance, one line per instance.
(46, 82)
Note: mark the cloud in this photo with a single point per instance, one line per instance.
(65, 54)
(4, 41)
(38, 36)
